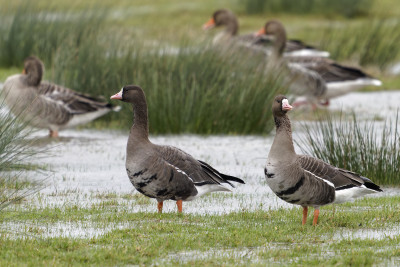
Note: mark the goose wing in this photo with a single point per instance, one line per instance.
(69, 100)
(293, 45)
(306, 81)
(330, 70)
(340, 178)
(199, 172)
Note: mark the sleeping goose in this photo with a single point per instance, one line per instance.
(165, 172)
(324, 77)
(304, 180)
(227, 19)
(47, 105)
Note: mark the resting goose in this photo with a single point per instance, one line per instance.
(304, 180)
(165, 172)
(319, 79)
(226, 18)
(47, 105)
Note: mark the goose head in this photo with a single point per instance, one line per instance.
(274, 33)
(223, 17)
(280, 106)
(130, 93)
(33, 69)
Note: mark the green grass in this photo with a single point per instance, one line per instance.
(193, 89)
(198, 90)
(345, 8)
(368, 148)
(261, 237)
(370, 43)
(87, 47)
(51, 30)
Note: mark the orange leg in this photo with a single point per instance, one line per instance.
(53, 133)
(159, 206)
(179, 204)
(305, 212)
(316, 214)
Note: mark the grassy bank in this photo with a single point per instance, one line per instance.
(258, 238)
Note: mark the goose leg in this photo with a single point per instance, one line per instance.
(179, 204)
(53, 133)
(305, 212)
(316, 214)
(159, 206)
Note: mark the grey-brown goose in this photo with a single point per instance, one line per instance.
(228, 20)
(48, 105)
(304, 180)
(164, 172)
(316, 78)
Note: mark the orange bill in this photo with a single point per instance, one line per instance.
(209, 24)
(260, 32)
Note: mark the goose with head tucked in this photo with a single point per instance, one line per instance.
(47, 105)
(305, 180)
(316, 78)
(165, 172)
(228, 21)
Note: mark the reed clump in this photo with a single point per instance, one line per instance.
(368, 148)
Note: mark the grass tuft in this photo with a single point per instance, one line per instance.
(15, 149)
(368, 148)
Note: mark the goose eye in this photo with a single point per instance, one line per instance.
(278, 101)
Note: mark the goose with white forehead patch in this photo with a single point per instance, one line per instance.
(47, 105)
(165, 172)
(304, 180)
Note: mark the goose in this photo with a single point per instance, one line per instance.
(227, 19)
(305, 180)
(325, 78)
(165, 172)
(48, 105)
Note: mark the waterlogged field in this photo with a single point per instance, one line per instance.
(89, 212)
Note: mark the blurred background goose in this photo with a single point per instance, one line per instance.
(48, 105)
(227, 19)
(317, 78)
(304, 180)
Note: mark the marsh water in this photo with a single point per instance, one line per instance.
(82, 165)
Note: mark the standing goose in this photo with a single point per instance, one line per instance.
(316, 78)
(47, 105)
(304, 180)
(227, 19)
(164, 172)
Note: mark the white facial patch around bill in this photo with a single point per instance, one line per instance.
(285, 103)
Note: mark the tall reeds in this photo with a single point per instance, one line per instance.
(189, 89)
(369, 148)
(30, 30)
(370, 43)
